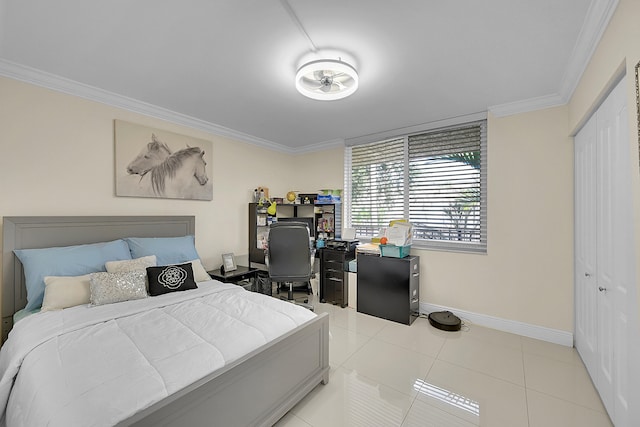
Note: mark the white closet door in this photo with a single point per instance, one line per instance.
(624, 300)
(605, 278)
(605, 297)
(586, 292)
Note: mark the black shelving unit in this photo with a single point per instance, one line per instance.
(325, 219)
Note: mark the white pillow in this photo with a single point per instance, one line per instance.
(131, 264)
(199, 273)
(107, 288)
(65, 291)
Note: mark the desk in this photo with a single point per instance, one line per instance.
(235, 276)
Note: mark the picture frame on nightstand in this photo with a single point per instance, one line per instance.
(228, 262)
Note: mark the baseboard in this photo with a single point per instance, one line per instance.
(532, 331)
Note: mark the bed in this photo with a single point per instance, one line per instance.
(256, 388)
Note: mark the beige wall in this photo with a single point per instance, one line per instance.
(58, 159)
(527, 273)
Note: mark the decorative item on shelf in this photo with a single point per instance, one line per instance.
(261, 240)
(264, 192)
(291, 196)
(328, 196)
(308, 198)
(261, 194)
(271, 210)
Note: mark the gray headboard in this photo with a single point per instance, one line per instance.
(29, 232)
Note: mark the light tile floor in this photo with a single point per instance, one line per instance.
(387, 374)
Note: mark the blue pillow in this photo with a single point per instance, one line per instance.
(65, 261)
(168, 250)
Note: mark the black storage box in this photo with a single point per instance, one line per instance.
(263, 283)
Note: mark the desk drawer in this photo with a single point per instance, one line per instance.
(334, 274)
(337, 256)
(334, 291)
(333, 266)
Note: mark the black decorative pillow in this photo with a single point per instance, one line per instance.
(170, 278)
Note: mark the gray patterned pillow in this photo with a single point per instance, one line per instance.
(107, 288)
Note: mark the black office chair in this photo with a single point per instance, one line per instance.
(289, 255)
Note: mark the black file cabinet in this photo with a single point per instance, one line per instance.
(389, 287)
(334, 287)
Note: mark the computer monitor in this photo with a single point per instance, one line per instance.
(304, 219)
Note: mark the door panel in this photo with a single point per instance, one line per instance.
(624, 295)
(605, 250)
(585, 246)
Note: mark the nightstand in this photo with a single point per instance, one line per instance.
(235, 276)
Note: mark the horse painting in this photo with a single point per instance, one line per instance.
(157, 163)
(152, 154)
(179, 172)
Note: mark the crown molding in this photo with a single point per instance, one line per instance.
(324, 145)
(595, 23)
(593, 28)
(526, 105)
(60, 84)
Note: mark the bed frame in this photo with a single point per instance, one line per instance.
(256, 390)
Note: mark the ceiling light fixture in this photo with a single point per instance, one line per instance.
(322, 79)
(327, 79)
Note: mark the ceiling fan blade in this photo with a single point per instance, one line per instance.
(310, 82)
(342, 77)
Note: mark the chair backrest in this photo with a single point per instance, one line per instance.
(289, 252)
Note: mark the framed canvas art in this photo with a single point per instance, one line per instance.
(157, 163)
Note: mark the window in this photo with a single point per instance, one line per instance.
(436, 178)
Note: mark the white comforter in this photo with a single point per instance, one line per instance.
(88, 366)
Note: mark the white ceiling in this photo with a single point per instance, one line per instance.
(229, 66)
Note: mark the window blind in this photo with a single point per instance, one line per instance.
(437, 179)
(376, 191)
(447, 206)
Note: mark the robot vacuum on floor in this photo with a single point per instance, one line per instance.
(445, 320)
